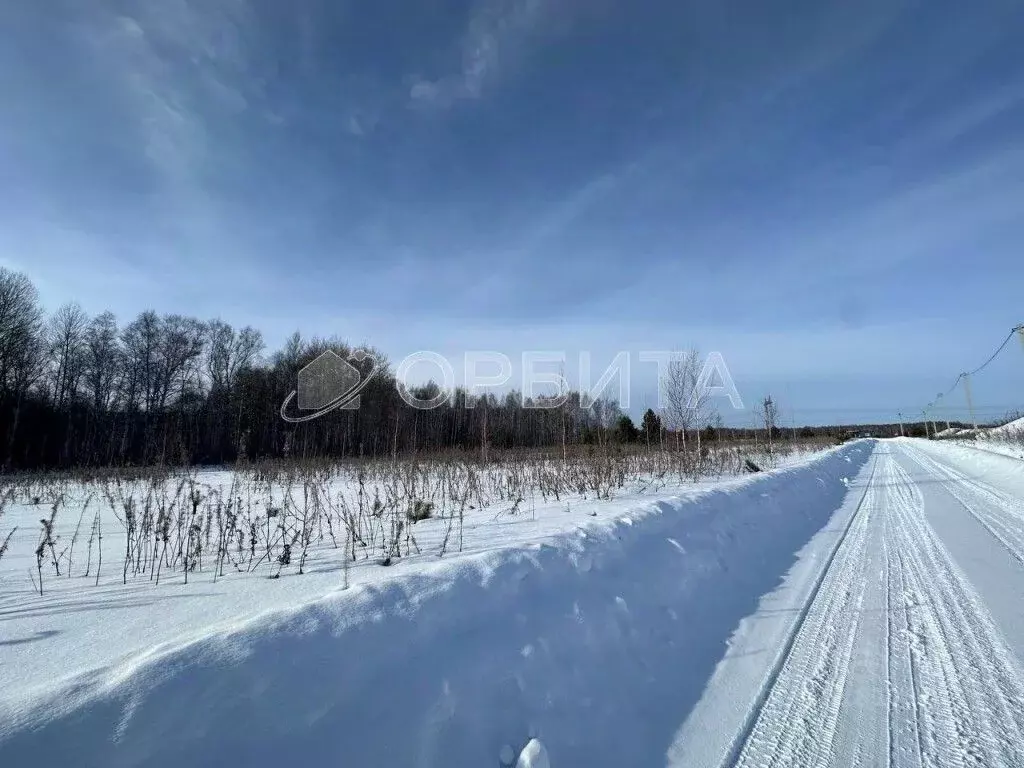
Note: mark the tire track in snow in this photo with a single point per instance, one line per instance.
(1001, 515)
(953, 691)
(970, 688)
(794, 720)
(902, 686)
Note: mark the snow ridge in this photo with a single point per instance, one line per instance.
(444, 666)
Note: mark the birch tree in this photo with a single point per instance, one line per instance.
(686, 398)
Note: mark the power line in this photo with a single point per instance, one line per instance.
(985, 365)
(965, 376)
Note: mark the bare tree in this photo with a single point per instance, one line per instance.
(103, 359)
(686, 396)
(65, 335)
(289, 357)
(229, 352)
(180, 347)
(141, 342)
(21, 357)
(20, 324)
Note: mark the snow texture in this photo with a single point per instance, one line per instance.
(1012, 428)
(861, 608)
(440, 662)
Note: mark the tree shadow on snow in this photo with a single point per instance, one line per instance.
(43, 635)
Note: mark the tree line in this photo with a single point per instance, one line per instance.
(77, 390)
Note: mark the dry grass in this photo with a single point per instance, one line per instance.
(268, 517)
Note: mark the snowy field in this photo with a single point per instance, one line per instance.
(860, 606)
(1007, 439)
(1013, 429)
(136, 566)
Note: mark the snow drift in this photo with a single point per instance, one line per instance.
(599, 642)
(1012, 429)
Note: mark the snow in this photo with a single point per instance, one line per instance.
(855, 687)
(78, 630)
(858, 607)
(1012, 428)
(539, 632)
(1006, 440)
(906, 647)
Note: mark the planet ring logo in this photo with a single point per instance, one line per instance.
(328, 383)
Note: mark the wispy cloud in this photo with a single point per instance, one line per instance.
(495, 39)
(178, 62)
(774, 165)
(572, 208)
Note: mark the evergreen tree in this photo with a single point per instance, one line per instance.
(625, 430)
(651, 427)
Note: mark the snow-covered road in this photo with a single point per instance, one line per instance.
(898, 656)
(862, 609)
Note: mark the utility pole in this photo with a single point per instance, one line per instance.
(970, 401)
(937, 398)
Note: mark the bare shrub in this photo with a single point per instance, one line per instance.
(284, 518)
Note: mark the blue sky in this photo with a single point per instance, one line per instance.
(830, 194)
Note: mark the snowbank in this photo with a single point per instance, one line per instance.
(1011, 429)
(1006, 440)
(980, 460)
(598, 641)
